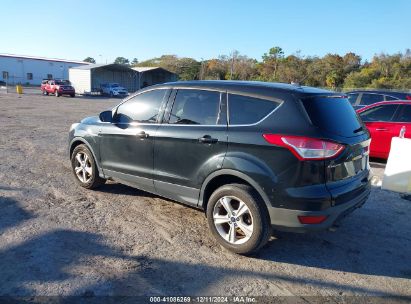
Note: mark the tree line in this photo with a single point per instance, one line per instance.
(334, 71)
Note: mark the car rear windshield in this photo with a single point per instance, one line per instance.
(333, 114)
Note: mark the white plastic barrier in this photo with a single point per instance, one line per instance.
(397, 174)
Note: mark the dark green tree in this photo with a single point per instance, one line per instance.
(271, 62)
(90, 59)
(122, 60)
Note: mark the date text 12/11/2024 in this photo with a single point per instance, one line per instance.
(205, 299)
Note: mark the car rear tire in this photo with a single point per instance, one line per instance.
(85, 169)
(56, 93)
(238, 218)
(72, 95)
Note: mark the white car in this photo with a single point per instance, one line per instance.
(113, 89)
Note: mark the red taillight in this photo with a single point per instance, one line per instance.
(312, 219)
(306, 148)
(408, 97)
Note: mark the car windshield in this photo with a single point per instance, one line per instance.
(114, 85)
(63, 82)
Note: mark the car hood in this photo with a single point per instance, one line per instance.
(119, 89)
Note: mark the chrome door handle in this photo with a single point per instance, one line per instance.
(207, 139)
(381, 129)
(142, 134)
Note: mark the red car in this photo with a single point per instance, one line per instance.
(384, 120)
(57, 87)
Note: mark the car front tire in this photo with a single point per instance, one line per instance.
(238, 218)
(84, 168)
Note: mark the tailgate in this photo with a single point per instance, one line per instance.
(347, 177)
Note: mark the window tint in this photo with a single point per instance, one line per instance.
(335, 115)
(352, 98)
(63, 82)
(248, 110)
(405, 114)
(368, 99)
(195, 107)
(141, 108)
(380, 113)
(390, 98)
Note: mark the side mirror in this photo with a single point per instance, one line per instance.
(106, 116)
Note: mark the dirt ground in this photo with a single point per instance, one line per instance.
(57, 238)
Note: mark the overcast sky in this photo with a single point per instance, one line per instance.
(202, 29)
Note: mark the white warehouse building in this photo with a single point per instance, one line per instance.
(32, 70)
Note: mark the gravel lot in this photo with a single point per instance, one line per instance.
(59, 239)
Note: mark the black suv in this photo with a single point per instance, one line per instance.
(253, 155)
(362, 98)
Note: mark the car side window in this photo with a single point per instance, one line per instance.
(390, 98)
(352, 98)
(245, 110)
(405, 114)
(196, 107)
(142, 108)
(380, 113)
(368, 99)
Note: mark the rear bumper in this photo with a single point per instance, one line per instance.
(287, 219)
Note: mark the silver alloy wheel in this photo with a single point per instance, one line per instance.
(83, 167)
(233, 220)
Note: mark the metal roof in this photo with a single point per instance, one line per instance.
(146, 69)
(113, 66)
(42, 58)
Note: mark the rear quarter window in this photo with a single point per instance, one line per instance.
(333, 114)
(245, 110)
